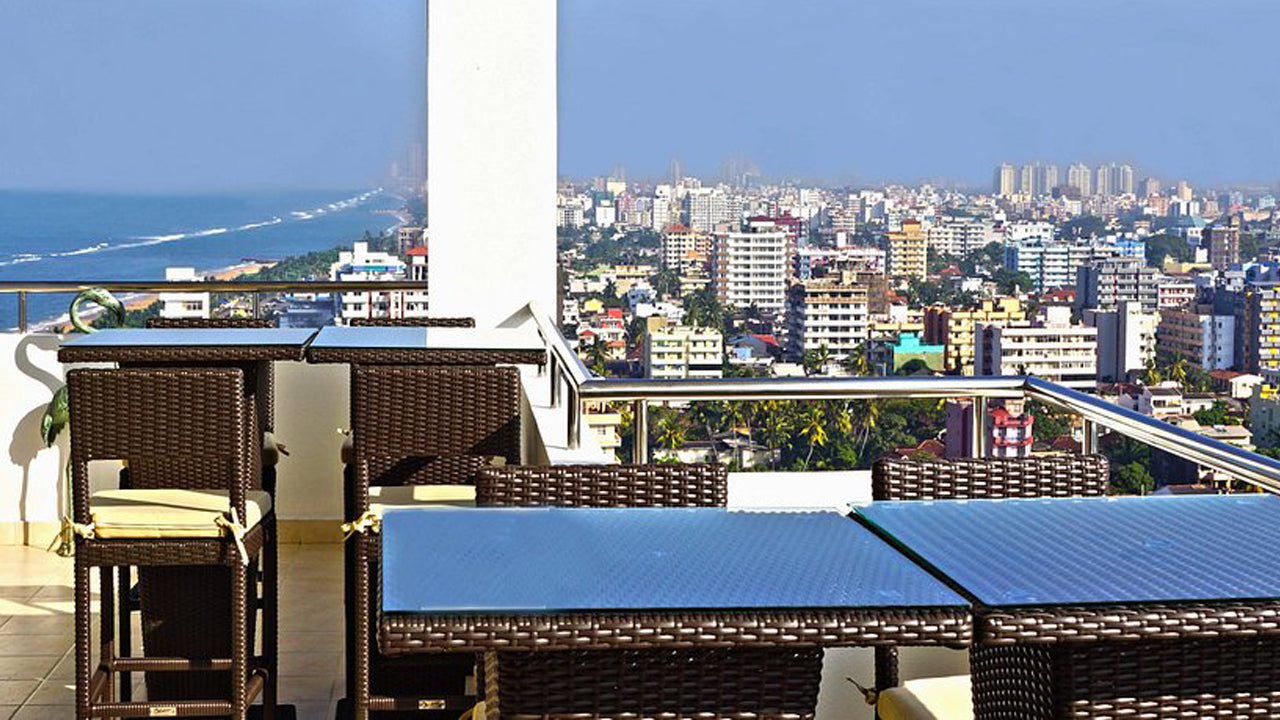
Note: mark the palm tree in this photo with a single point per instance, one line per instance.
(814, 427)
(868, 418)
(740, 418)
(1152, 376)
(777, 428)
(857, 362)
(1178, 370)
(597, 358)
(671, 432)
(816, 360)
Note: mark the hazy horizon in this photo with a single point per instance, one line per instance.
(910, 90)
(208, 96)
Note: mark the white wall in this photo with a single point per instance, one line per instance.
(491, 146)
(30, 474)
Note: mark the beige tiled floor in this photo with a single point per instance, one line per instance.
(36, 624)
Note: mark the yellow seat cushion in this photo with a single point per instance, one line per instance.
(169, 513)
(940, 698)
(385, 496)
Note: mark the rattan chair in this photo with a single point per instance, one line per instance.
(426, 430)
(642, 683)
(452, 322)
(968, 478)
(191, 523)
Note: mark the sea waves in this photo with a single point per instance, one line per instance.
(148, 240)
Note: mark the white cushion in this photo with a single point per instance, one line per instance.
(384, 496)
(940, 698)
(169, 513)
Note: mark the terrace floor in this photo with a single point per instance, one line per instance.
(37, 671)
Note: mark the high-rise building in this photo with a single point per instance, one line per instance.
(709, 207)
(1053, 264)
(750, 267)
(1150, 187)
(834, 312)
(961, 235)
(1004, 184)
(1102, 185)
(686, 252)
(909, 250)
(1027, 180)
(1047, 179)
(1124, 180)
(1224, 245)
(1126, 340)
(1262, 328)
(1049, 347)
(1197, 334)
(1080, 178)
(1184, 191)
(1104, 284)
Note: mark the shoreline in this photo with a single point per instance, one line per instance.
(141, 301)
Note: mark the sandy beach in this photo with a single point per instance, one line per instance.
(141, 301)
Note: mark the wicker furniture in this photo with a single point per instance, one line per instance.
(649, 612)
(418, 426)
(191, 523)
(971, 478)
(455, 322)
(1164, 607)
(426, 346)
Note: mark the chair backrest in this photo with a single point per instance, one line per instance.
(973, 478)
(437, 424)
(666, 485)
(218, 322)
(455, 322)
(175, 427)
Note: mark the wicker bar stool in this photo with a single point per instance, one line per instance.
(420, 434)
(451, 322)
(191, 523)
(646, 683)
(961, 479)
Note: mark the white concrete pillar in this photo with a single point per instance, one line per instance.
(491, 148)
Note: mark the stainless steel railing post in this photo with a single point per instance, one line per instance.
(573, 422)
(22, 312)
(553, 369)
(640, 432)
(979, 434)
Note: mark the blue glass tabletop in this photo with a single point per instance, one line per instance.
(412, 338)
(547, 560)
(1095, 550)
(193, 337)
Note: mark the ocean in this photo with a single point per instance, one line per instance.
(91, 237)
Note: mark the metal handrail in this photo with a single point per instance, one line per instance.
(1251, 467)
(24, 287)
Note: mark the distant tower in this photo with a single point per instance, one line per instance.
(1079, 177)
(1124, 180)
(1027, 180)
(1102, 185)
(674, 169)
(1003, 184)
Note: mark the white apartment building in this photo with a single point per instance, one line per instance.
(685, 251)
(832, 312)
(1053, 264)
(960, 236)
(570, 213)
(681, 351)
(1029, 231)
(709, 207)
(1195, 333)
(750, 267)
(1051, 348)
(1173, 292)
(359, 264)
(183, 304)
(1126, 340)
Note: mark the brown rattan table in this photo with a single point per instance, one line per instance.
(187, 345)
(1153, 607)
(427, 346)
(559, 579)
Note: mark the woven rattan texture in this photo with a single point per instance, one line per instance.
(694, 485)
(968, 478)
(425, 356)
(727, 629)
(452, 322)
(407, 419)
(1222, 678)
(623, 685)
(217, 322)
(1130, 622)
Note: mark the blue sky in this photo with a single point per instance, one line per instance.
(914, 89)
(158, 95)
(162, 95)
